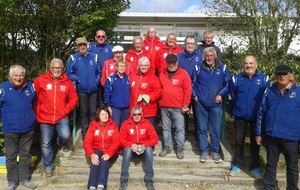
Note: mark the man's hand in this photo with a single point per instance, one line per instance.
(185, 109)
(133, 147)
(105, 157)
(258, 140)
(218, 99)
(95, 159)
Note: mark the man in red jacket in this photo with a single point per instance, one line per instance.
(174, 103)
(169, 47)
(135, 53)
(137, 136)
(152, 43)
(56, 98)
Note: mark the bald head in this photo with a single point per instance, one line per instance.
(151, 33)
(250, 65)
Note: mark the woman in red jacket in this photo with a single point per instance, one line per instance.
(100, 144)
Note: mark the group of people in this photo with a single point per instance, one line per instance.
(122, 96)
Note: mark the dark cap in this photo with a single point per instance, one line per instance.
(283, 69)
(171, 58)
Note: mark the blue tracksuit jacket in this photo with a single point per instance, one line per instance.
(188, 61)
(104, 52)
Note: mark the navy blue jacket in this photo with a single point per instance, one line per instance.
(247, 94)
(188, 61)
(104, 52)
(117, 91)
(203, 45)
(279, 115)
(85, 71)
(208, 83)
(16, 106)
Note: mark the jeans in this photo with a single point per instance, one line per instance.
(241, 126)
(18, 144)
(208, 119)
(173, 117)
(99, 173)
(290, 151)
(119, 115)
(87, 109)
(127, 155)
(47, 130)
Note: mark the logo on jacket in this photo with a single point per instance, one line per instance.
(293, 95)
(142, 131)
(131, 131)
(49, 86)
(258, 81)
(144, 85)
(27, 92)
(97, 132)
(111, 67)
(157, 48)
(174, 82)
(217, 71)
(131, 59)
(105, 50)
(91, 62)
(165, 55)
(110, 132)
(147, 48)
(197, 59)
(62, 88)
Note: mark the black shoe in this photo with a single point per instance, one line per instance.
(149, 185)
(123, 185)
(164, 152)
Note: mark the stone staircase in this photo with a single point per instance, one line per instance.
(170, 173)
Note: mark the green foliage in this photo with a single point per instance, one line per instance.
(35, 31)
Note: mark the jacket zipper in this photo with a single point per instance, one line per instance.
(54, 109)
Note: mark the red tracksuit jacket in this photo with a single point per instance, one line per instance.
(162, 54)
(132, 60)
(137, 133)
(152, 46)
(148, 83)
(56, 98)
(104, 138)
(176, 91)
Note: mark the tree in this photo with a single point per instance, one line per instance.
(35, 31)
(268, 26)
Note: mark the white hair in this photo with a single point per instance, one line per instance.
(210, 49)
(144, 60)
(58, 61)
(15, 68)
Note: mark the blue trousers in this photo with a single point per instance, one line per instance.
(119, 115)
(99, 173)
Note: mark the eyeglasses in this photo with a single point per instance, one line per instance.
(81, 45)
(57, 68)
(137, 114)
(100, 37)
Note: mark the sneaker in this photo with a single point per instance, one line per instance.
(49, 173)
(203, 157)
(234, 170)
(92, 188)
(154, 153)
(216, 157)
(180, 154)
(164, 152)
(149, 185)
(123, 185)
(256, 172)
(100, 187)
(28, 184)
(12, 185)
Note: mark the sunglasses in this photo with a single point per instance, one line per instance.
(100, 37)
(137, 114)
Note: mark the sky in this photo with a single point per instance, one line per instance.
(165, 6)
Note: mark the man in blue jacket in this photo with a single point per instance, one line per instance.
(210, 85)
(117, 94)
(247, 89)
(277, 127)
(84, 70)
(16, 106)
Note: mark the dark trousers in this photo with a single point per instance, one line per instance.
(99, 173)
(87, 109)
(241, 126)
(289, 149)
(18, 144)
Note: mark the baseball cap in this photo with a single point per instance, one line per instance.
(171, 58)
(283, 69)
(81, 40)
(117, 48)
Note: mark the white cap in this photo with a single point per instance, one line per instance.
(117, 48)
